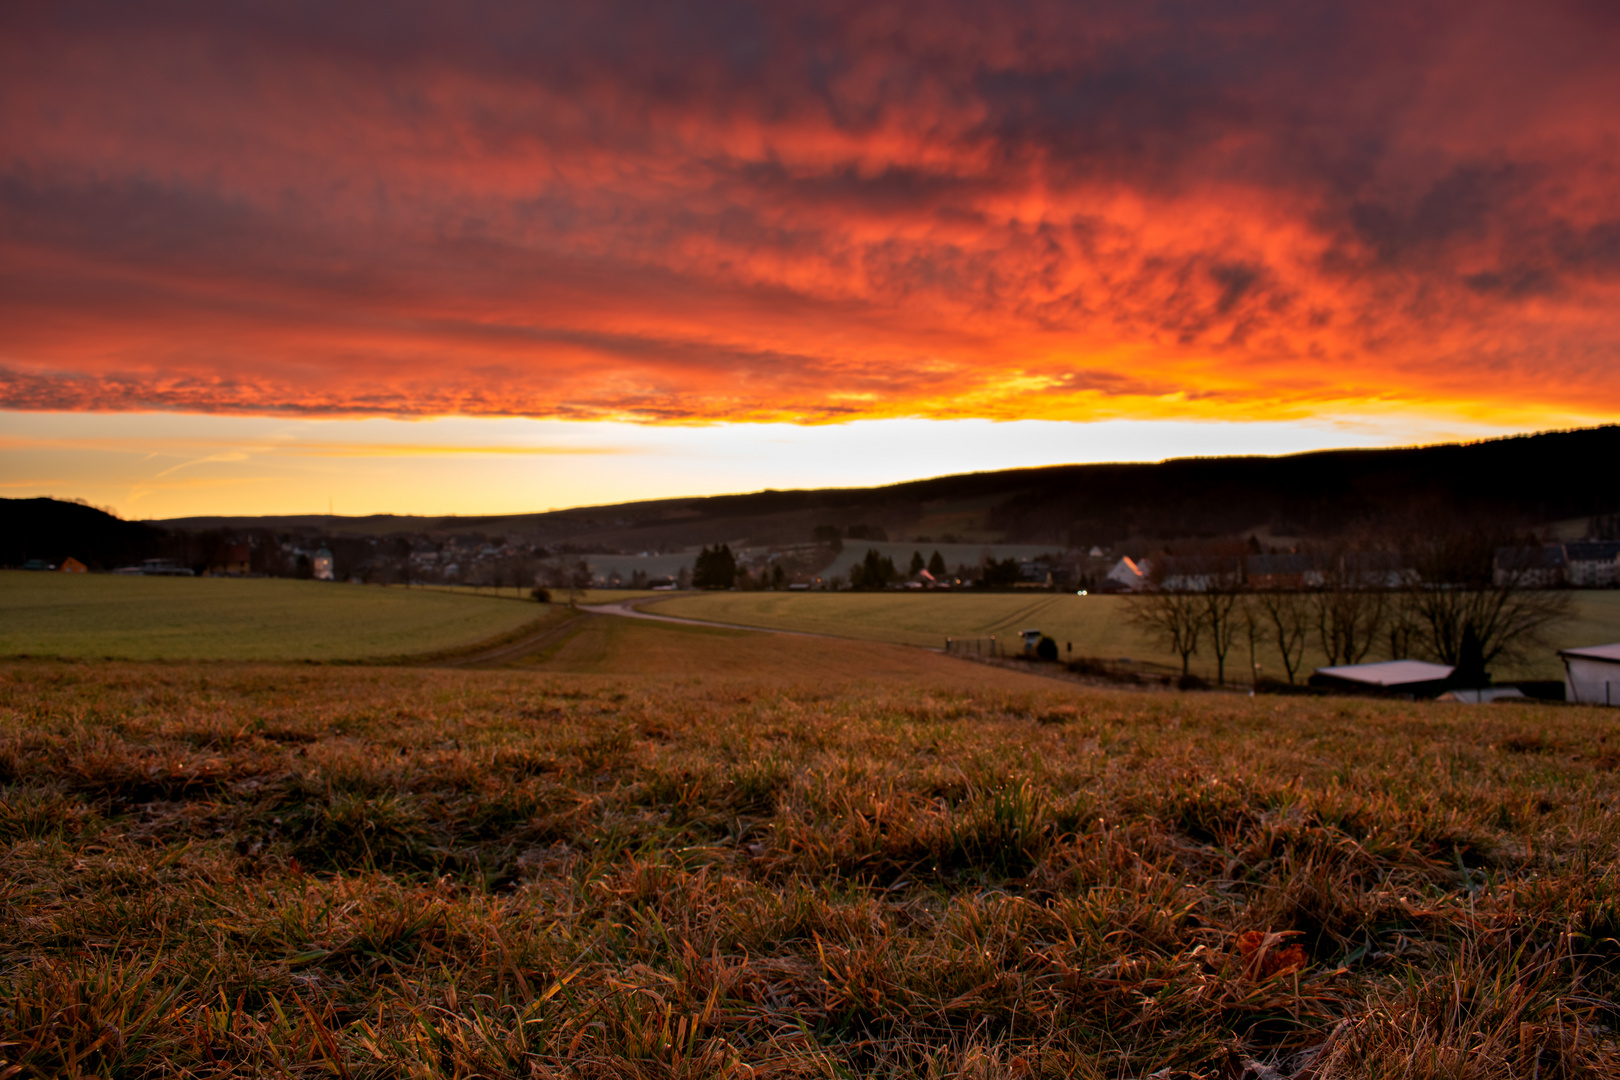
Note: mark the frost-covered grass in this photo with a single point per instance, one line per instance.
(889, 865)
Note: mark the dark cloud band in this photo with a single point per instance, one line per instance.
(697, 210)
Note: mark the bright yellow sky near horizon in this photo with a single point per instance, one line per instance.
(164, 465)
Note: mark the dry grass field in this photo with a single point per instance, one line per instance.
(662, 851)
(1094, 625)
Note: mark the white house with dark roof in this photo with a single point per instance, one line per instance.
(1592, 563)
(1592, 674)
(1126, 574)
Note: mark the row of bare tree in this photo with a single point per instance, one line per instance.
(1440, 599)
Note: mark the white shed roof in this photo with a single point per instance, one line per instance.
(1610, 653)
(1389, 672)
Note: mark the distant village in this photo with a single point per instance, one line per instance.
(1460, 596)
(843, 559)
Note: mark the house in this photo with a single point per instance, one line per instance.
(1542, 567)
(1035, 570)
(1592, 674)
(70, 565)
(1289, 571)
(1374, 570)
(1194, 573)
(1389, 678)
(1126, 574)
(1593, 563)
(232, 560)
(323, 565)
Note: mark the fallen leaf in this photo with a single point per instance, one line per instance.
(1264, 953)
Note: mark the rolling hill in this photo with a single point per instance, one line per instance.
(1517, 483)
(1523, 481)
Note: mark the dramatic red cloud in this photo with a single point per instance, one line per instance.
(707, 210)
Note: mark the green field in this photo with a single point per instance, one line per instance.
(161, 618)
(665, 852)
(1095, 625)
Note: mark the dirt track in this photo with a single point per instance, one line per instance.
(515, 650)
(627, 609)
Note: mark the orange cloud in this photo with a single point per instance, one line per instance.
(811, 212)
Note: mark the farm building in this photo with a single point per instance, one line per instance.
(1388, 678)
(1592, 674)
(1195, 574)
(1540, 567)
(70, 565)
(1593, 563)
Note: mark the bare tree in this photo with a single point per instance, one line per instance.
(1175, 619)
(1456, 590)
(579, 580)
(1348, 622)
(1222, 618)
(1221, 577)
(1351, 606)
(1402, 626)
(1286, 619)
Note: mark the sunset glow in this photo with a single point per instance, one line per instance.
(1357, 223)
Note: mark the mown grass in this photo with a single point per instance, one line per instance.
(916, 867)
(1095, 625)
(157, 618)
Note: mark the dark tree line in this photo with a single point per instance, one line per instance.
(874, 571)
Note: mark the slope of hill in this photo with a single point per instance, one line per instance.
(1518, 482)
(51, 529)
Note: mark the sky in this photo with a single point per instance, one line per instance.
(500, 256)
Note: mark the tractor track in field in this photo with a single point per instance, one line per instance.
(626, 609)
(516, 650)
(542, 639)
(513, 651)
